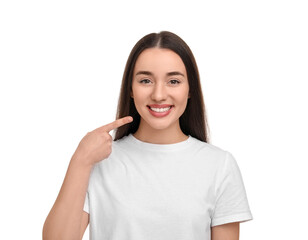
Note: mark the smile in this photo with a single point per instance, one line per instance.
(160, 112)
(160, 109)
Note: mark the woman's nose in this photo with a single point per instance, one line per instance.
(159, 92)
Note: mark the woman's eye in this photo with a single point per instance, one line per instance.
(174, 81)
(145, 80)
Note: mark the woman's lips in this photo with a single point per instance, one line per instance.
(160, 114)
(160, 105)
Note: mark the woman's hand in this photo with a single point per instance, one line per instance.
(96, 145)
(66, 219)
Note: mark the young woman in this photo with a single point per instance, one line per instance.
(159, 178)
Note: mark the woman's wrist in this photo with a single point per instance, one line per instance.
(81, 161)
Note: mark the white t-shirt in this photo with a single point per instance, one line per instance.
(146, 191)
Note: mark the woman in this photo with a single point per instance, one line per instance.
(159, 178)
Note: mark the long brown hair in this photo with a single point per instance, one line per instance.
(193, 121)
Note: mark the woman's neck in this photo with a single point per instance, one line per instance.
(160, 136)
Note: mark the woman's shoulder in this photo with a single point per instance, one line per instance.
(207, 146)
(213, 153)
(122, 141)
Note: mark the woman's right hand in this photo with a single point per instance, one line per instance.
(96, 145)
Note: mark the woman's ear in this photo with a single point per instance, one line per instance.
(131, 94)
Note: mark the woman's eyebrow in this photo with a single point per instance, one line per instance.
(144, 73)
(151, 74)
(175, 73)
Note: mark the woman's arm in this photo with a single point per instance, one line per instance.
(66, 219)
(229, 231)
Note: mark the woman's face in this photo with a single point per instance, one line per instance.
(160, 81)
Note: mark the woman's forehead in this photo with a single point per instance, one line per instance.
(159, 59)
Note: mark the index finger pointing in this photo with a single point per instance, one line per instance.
(117, 123)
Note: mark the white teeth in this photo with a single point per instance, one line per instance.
(160, 109)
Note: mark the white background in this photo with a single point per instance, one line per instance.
(61, 64)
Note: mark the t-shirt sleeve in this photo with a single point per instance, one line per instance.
(86, 203)
(231, 200)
